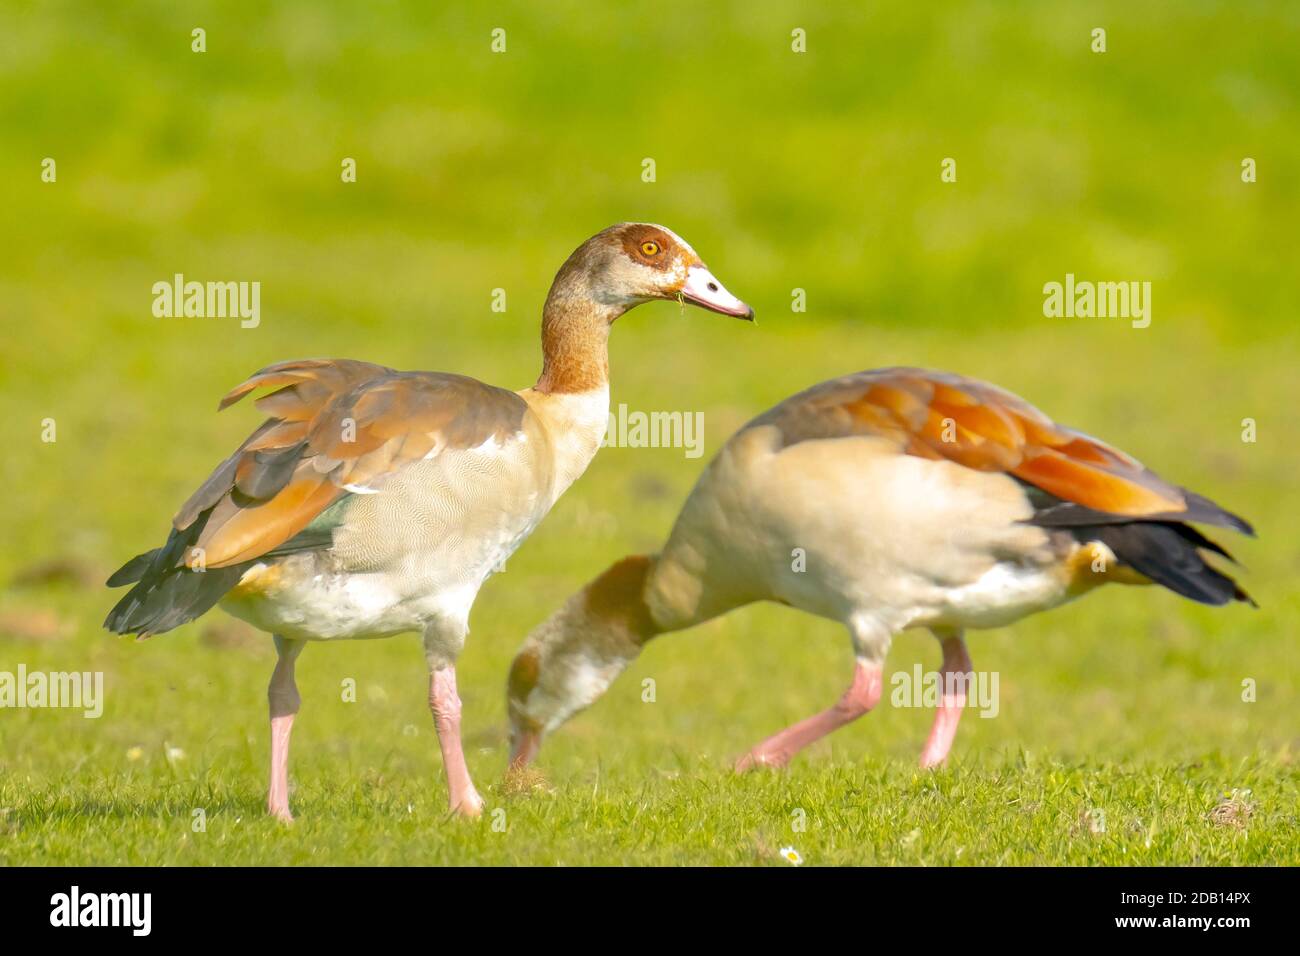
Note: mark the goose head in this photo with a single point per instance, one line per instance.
(554, 675)
(568, 660)
(635, 262)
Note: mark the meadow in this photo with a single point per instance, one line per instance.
(1134, 727)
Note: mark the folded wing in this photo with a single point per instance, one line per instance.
(336, 427)
(1073, 481)
(940, 415)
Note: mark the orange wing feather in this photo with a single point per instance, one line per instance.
(945, 416)
(334, 425)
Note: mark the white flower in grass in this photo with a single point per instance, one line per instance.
(173, 753)
(792, 855)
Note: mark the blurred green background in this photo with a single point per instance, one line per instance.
(816, 170)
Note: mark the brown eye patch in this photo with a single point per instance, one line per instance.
(648, 246)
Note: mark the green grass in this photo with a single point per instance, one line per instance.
(1010, 810)
(820, 172)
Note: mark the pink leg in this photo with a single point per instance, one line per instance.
(282, 695)
(862, 695)
(445, 704)
(955, 661)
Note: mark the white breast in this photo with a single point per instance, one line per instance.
(577, 423)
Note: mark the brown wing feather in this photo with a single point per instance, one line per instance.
(945, 416)
(334, 425)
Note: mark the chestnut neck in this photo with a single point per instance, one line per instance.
(575, 335)
(615, 600)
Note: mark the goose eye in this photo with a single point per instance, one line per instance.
(649, 248)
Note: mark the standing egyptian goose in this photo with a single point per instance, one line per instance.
(374, 502)
(916, 499)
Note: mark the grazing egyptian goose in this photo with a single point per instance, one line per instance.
(374, 502)
(886, 500)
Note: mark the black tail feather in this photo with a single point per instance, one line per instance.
(1169, 554)
(166, 592)
(159, 603)
(1067, 514)
(1198, 540)
(133, 570)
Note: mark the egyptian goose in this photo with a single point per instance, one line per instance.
(916, 499)
(374, 502)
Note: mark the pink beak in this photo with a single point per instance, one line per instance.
(524, 749)
(702, 289)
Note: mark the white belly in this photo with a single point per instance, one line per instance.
(850, 528)
(306, 597)
(1002, 595)
(296, 599)
(407, 558)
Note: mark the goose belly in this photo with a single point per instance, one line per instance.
(308, 597)
(849, 527)
(304, 599)
(1000, 596)
(411, 557)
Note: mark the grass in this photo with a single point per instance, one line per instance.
(818, 172)
(1012, 810)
